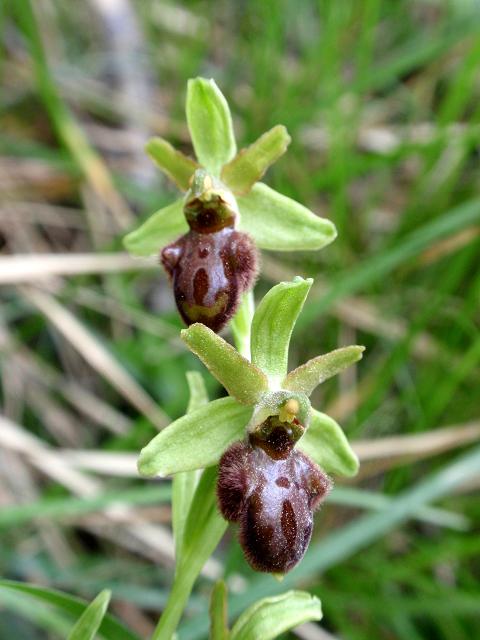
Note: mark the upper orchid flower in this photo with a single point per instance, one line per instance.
(212, 231)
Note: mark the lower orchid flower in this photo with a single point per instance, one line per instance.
(274, 450)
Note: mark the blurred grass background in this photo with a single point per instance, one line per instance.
(382, 102)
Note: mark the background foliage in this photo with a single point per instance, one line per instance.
(382, 102)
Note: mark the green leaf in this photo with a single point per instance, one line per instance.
(204, 529)
(279, 223)
(158, 230)
(175, 164)
(210, 124)
(184, 484)
(326, 444)
(242, 379)
(218, 612)
(204, 526)
(87, 625)
(250, 164)
(270, 617)
(196, 440)
(111, 628)
(273, 324)
(305, 378)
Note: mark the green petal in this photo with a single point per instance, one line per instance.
(242, 379)
(271, 617)
(89, 622)
(273, 324)
(250, 164)
(158, 230)
(196, 440)
(305, 378)
(175, 164)
(210, 124)
(271, 404)
(279, 223)
(326, 444)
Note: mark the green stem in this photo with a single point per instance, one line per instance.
(242, 323)
(177, 600)
(189, 568)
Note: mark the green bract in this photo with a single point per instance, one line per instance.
(257, 389)
(268, 618)
(274, 221)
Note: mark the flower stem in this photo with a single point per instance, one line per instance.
(189, 568)
(241, 324)
(177, 600)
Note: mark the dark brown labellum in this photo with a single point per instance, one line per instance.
(209, 272)
(272, 498)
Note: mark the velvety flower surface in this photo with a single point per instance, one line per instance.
(212, 264)
(271, 489)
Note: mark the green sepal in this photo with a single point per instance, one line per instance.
(305, 378)
(218, 612)
(279, 223)
(158, 230)
(326, 444)
(184, 484)
(89, 622)
(243, 380)
(196, 440)
(273, 324)
(210, 124)
(174, 164)
(270, 617)
(250, 164)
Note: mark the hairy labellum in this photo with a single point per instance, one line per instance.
(211, 265)
(209, 273)
(271, 490)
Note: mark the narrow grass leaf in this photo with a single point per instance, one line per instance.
(271, 617)
(279, 223)
(326, 444)
(273, 324)
(210, 124)
(250, 164)
(196, 440)
(110, 628)
(158, 230)
(378, 266)
(243, 380)
(87, 625)
(175, 164)
(305, 378)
